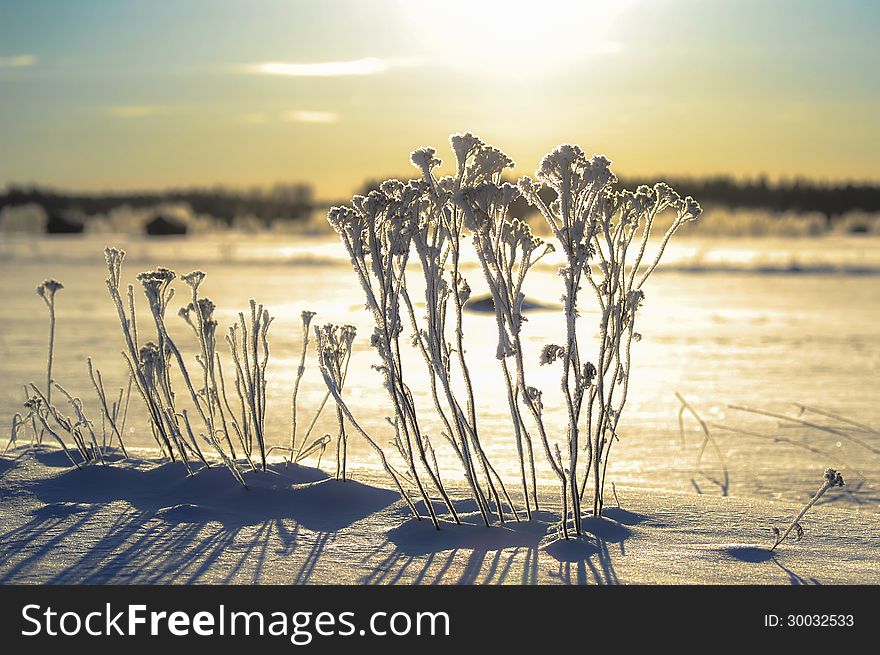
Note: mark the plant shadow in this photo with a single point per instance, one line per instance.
(306, 495)
(473, 553)
(760, 555)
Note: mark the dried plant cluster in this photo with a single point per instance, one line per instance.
(603, 234)
(424, 225)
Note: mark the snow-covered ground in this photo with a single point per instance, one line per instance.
(759, 322)
(140, 521)
(764, 323)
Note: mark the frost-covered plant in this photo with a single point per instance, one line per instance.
(377, 231)
(150, 364)
(114, 258)
(335, 344)
(47, 291)
(79, 427)
(199, 315)
(507, 250)
(307, 317)
(113, 414)
(329, 365)
(830, 479)
(38, 411)
(17, 422)
(603, 234)
(438, 239)
(248, 342)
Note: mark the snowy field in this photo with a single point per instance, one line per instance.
(140, 522)
(762, 323)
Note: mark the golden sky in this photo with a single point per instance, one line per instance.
(129, 95)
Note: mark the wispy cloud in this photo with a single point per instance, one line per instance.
(18, 61)
(311, 117)
(134, 111)
(365, 66)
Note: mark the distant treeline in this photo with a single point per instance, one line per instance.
(799, 196)
(281, 202)
(296, 201)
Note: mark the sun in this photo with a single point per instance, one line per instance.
(513, 36)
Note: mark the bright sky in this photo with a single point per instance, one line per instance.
(123, 94)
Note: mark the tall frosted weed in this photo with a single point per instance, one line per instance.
(377, 231)
(47, 291)
(603, 235)
(249, 344)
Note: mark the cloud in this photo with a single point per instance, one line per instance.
(311, 117)
(18, 61)
(134, 111)
(365, 66)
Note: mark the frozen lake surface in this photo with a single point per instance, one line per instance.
(757, 322)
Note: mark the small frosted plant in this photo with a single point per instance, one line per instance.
(249, 344)
(111, 414)
(831, 479)
(327, 363)
(36, 407)
(199, 315)
(47, 291)
(150, 365)
(17, 421)
(82, 429)
(307, 317)
(125, 309)
(335, 343)
(79, 427)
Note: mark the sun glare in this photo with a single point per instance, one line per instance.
(514, 36)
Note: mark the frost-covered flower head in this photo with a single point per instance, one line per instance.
(424, 159)
(48, 289)
(477, 162)
(518, 235)
(567, 171)
(206, 308)
(568, 164)
(464, 145)
(185, 314)
(833, 478)
(156, 287)
(307, 316)
(351, 226)
(388, 218)
(203, 311)
(690, 209)
(484, 203)
(194, 279)
(114, 258)
(550, 353)
(334, 349)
